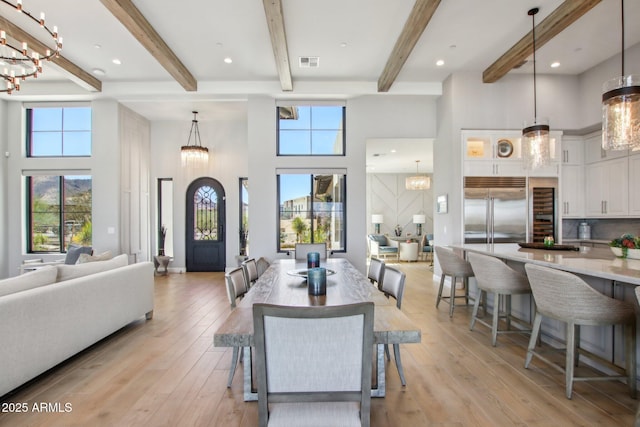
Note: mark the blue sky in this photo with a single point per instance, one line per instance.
(61, 131)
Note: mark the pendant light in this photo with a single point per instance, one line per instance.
(621, 108)
(194, 155)
(417, 182)
(535, 136)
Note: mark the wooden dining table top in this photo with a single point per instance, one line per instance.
(281, 286)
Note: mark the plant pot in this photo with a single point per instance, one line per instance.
(631, 253)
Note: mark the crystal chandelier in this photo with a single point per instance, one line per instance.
(535, 136)
(18, 60)
(418, 182)
(194, 156)
(621, 108)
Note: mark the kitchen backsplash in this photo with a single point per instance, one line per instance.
(601, 229)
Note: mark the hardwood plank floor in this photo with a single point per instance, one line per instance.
(166, 372)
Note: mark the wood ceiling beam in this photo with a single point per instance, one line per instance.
(134, 21)
(81, 77)
(565, 15)
(275, 21)
(417, 21)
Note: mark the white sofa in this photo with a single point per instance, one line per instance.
(70, 308)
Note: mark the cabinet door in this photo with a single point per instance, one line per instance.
(616, 187)
(594, 200)
(479, 168)
(572, 192)
(510, 168)
(634, 189)
(595, 153)
(572, 150)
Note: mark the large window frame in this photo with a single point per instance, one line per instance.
(324, 214)
(65, 227)
(58, 131)
(313, 126)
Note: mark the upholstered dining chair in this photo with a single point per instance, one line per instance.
(308, 373)
(250, 270)
(393, 286)
(302, 249)
(566, 297)
(236, 289)
(376, 271)
(455, 267)
(495, 277)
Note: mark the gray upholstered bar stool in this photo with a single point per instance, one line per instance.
(496, 277)
(376, 271)
(456, 267)
(566, 297)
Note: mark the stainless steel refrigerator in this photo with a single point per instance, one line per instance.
(495, 209)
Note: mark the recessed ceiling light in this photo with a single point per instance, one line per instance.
(99, 72)
(440, 62)
(555, 64)
(116, 61)
(97, 46)
(343, 44)
(393, 151)
(228, 60)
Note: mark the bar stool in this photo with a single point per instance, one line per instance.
(237, 287)
(565, 297)
(376, 272)
(454, 266)
(496, 277)
(392, 285)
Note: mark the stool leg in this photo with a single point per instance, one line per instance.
(234, 362)
(535, 330)
(466, 290)
(440, 289)
(476, 305)
(571, 347)
(396, 355)
(576, 355)
(386, 350)
(508, 310)
(452, 296)
(630, 356)
(496, 318)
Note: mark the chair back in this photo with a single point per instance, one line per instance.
(263, 264)
(493, 274)
(302, 359)
(302, 249)
(393, 284)
(250, 270)
(562, 295)
(236, 285)
(376, 271)
(451, 264)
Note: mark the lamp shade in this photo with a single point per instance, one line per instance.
(536, 145)
(418, 182)
(621, 113)
(377, 219)
(419, 219)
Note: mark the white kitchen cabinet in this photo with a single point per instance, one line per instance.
(492, 153)
(634, 188)
(606, 193)
(594, 152)
(572, 191)
(572, 150)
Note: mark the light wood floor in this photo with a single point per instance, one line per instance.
(165, 372)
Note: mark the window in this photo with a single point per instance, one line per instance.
(311, 131)
(312, 210)
(59, 212)
(244, 216)
(205, 206)
(58, 131)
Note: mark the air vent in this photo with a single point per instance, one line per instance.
(309, 61)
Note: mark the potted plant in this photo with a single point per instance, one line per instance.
(162, 234)
(626, 246)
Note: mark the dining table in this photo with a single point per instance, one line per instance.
(284, 283)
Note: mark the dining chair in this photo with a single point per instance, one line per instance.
(456, 267)
(426, 248)
(495, 277)
(376, 271)
(262, 265)
(393, 286)
(302, 249)
(250, 270)
(563, 296)
(236, 289)
(314, 364)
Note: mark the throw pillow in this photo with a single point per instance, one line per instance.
(33, 279)
(104, 256)
(68, 272)
(74, 251)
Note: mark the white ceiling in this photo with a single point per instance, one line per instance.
(353, 39)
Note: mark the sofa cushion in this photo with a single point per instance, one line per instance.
(33, 279)
(74, 251)
(379, 238)
(104, 256)
(68, 272)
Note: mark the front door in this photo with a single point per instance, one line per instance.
(205, 225)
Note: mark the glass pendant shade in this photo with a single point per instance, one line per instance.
(194, 156)
(536, 145)
(621, 113)
(417, 182)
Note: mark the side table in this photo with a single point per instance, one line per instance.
(161, 261)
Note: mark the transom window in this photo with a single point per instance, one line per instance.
(59, 212)
(58, 131)
(312, 210)
(311, 130)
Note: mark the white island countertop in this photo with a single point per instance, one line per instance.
(595, 262)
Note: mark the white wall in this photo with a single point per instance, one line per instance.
(4, 201)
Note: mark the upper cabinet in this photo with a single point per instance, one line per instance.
(595, 153)
(572, 151)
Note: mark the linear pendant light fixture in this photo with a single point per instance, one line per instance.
(417, 182)
(194, 155)
(535, 136)
(621, 108)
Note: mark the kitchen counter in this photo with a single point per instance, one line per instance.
(594, 262)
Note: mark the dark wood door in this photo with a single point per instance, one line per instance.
(205, 226)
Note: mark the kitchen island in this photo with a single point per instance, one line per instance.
(612, 276)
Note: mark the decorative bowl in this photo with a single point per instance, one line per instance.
(631, 253)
